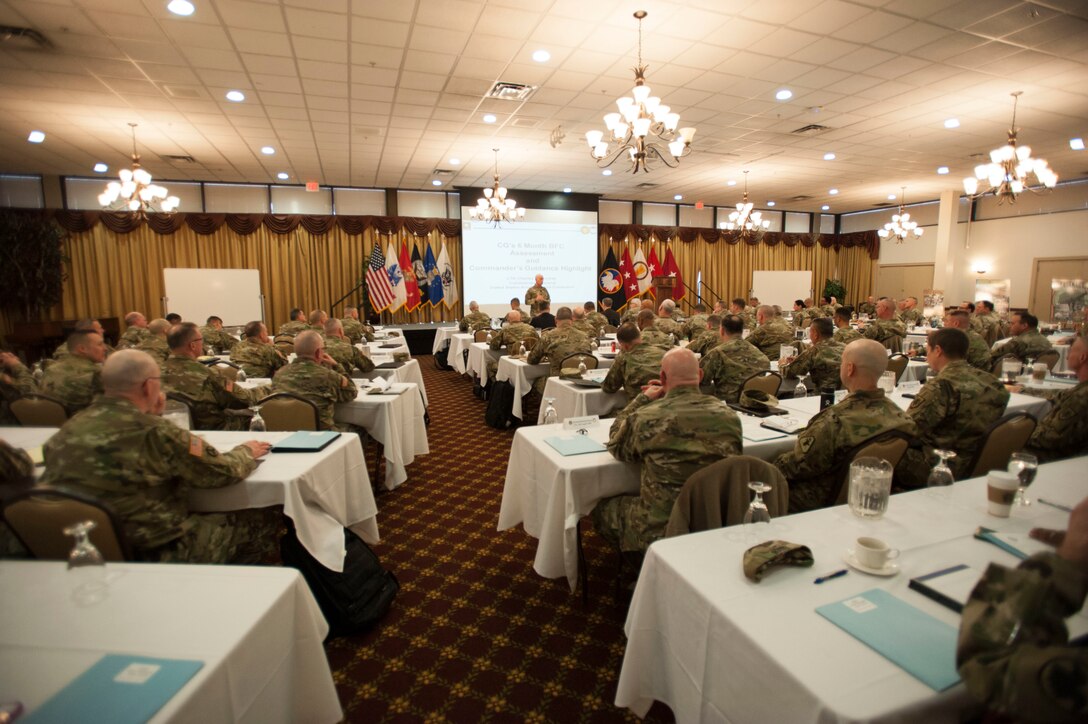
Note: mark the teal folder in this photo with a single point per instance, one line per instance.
(305, 441)
(575, 445)
(913, 640)
(117, 689)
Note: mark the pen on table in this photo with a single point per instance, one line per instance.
(829, 576)
(1059, 506)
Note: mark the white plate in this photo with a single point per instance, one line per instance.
(891, 569)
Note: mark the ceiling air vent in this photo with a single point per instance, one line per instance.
(801, 198)
(810, 130)
(525, 122)
(180, 91)
(647, 186)
(442, 173)
(882, 204)
(178, 159)
(510, 91)
(15, 38)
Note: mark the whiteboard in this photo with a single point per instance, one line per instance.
(781, 287)
(233, 295)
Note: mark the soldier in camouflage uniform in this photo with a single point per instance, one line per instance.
(952, 411)
(1025, 343)
(353, 329)
(696, 324)
(515, 306)
(212, 394)
(15, 381)
(635, 366)
(978, 352)
(665, 323)
(631, 312)
(708, 338)
(75, 380)
(536, 295)
(136, 330)
(844, 333)
(121, 452)
(868, 306)
(647, 325)
(820, 360)
(475, 319)
(671, 430)
(1063, 432)
(83, 325)
(726, 367)
(296, 323)
(986, 322)
(738, 308)
(812, 467)
(347, 355)
(909, 312)
(1014, 654)
(887, 330)
(255, 354)
(155, 341)
(579, 322)
(216, 341)
(16, 468)
(513, 332)
(558, 344)
(772, 333)
(312, 375)
(595, 318)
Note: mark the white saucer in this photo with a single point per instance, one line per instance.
(891, 569)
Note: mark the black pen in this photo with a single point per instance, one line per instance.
(829, 576)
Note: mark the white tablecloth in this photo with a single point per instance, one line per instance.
(717, 647)
(257, 630)
(441, 336)
(521, 374)
(574, 401)
(407, 372)
(459, 343)
(1017, 403)
(386, 346)
(478, 355)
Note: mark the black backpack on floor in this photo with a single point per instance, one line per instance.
(352, 601)
(500, 405)
(442, 358)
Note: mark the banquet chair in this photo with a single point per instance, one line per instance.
(1003, 438)
(481, 335)
(897, 363)
(226, 369)
(38, 517)
(35, 410)
(718, 495)
(177, 403)
(1050, 358)
(890, 445)
(995, 368)
(573, 360)
(764, 381)
(894, 343)
(284, 411)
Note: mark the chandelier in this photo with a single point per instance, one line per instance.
(643, 128)
(748, 224)
(1007, 172)
(135, 192)
(900, 226)
(494, 207)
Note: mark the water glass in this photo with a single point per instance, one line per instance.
(256, 423)
(757, 510)
(1010, 368)
(887, 383)
(1024, 466)
(870, 487)
(551, 416)
(787, 351)
(941, 474)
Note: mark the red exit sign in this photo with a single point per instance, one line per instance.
(311, 186)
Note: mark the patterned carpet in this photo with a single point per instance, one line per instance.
(475, 634)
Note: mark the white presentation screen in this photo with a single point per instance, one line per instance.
(781, 287)
(502, 263)
(233, 295)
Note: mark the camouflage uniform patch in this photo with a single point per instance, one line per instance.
(474, 321)
(211, 393)
(555, 346)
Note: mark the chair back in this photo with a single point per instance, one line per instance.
(1006, 436)
(995, 368)
(764, 381)
(1050, 358)
(894, 343)
(481, 335)
(178, 409)
(226, 369)
(608, 329)
(806, 322)
(34, 410)
(718, 495)
(285, 343)
(284, 411)
(38, 517)
(890, 445)
(573, 360)
(529, 342)
(897, 363)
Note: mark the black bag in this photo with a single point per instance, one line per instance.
(442, 358)
(500, 405)
(352, 601)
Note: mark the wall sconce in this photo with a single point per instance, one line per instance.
(982, 268)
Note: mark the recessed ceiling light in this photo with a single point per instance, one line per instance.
(784, 95)
(267, 150)
(436, 182)
(236, 96)
(283, 175)
(455, 162)
(942, 170)
(825, 207)
(829, 156)
(36, 137)
(542, 56)
(730, 182)
(101, 168)
(832, 191)
(952, 123)
(1077, 144)
(606, 172)
(181, 7)
(770, 203)
(489, 118)
(678, 197)
(567, 189)
(892, 197)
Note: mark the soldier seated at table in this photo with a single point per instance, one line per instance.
(812, 467)
(121, 452)
(887, 330)
(696, 324)
(978, 352)
(353, 328)
(15, 381)
(709, 337)
(844, 333)
(558, 344)
(349, 356)
(83, 325)
(216, 340)
(771, 333)
(647, 327)
(672, 430)
(155, 342)
(952, 411)
(296, 322)
(579, 322)
(665, 322)
(212, 394)
(595, 318)
(75, 379)
(256, 354)
(543, 320)
(475, 319)
(820, 360)
(136, 330)
(986, 321)
(1025, 342)
(513, 333)
(725, 368)
(316, 320)
(515, 306)
(635, 366)
(909, 312)
(313, 376)
(1063, 431)
(631, 311)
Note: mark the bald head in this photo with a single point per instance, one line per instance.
(308, 343)
(680, 368)
(513, 316)
(135, 319)
(124, 372)
(334, 327)
(158, 327)
(579, 313)
(885, 308)
(317, 318)
(863, 361)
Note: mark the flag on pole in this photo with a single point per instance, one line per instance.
(396, 278)
(421, 276)
(381, 292)
(411, 289)
(655, 269)
(450, 297)
(610, 281)
(434, 278)
(672, 269)
(627, 271)
(642, 271)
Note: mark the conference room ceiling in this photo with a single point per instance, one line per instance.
(381, 93)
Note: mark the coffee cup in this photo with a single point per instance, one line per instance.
(874, 553)
(1000, 491)
(1039, 370)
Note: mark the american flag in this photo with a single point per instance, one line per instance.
(381, 292)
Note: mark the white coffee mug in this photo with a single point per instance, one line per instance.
(1001, 489)
(874, 553)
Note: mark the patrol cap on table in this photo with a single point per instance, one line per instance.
(758, 400)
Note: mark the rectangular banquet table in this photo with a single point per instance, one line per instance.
(442, 336)
(478, 355)
(717, 647)
(258, 631)
(408, 371)
(459, 343)
(519, 373)
(573, 400)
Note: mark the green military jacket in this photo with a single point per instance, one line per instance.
(530, 298)
(1063, 432)
(727, 366)
(318, 384)
(633, 369)
(598, 321)
(658, 338)
(912, 316)
(695, 326)
(211, 393)
(558, 344)
(889, 332)
(217, 339)
(140, 465)
(132, 337)
(978, 352)
(867, 308)
(988, 325)
(474, 321)
(13, 385)
(354, 330)
(510, 335)
(707, 340)
(821, 361)
(846, 335)
(585, 327)
(1024, 347)
(257, 359)
(348, 356)
(630, 316)
(670, 326)
(771, 336)
(16, 467)
(155, 346)
(73, 380)
(293, 328)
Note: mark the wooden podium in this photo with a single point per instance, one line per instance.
(663, 288)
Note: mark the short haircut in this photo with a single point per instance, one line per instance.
(545, 306)
(349, 310)
(78, 338)
(824, 327)
(589, 307)
(563, 313)
(627, 333)
(970, 306)
(126, 370)
(85, 325)
(173, 318)
(332, 325)
(953, 342)
(645, 318)
(213, 318)
(799, 303)
(959, 315)
(844, 313)
(713, 321)
(514, 300)
(699, 308)
(182, 335)
(739, 302)
(988, 304)
(131, 317)
(606, 303)
(473, 305)
(295, 314)
(668, 305)
(253, 329)
(315, 317)
(732, 324)
(765, 309)
(158, 326)
(1029, 319)
(308, 342)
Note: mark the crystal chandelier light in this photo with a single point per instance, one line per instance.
(135, 192)
(643, 128)
(494, 207)
(901, 226)
(1006, 174)
(747, 224)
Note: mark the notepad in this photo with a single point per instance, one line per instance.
(575, 445)
(759, 434)
(117, 689)
(910, 638)
(305, 441)
(1018, 544)
(949, 587)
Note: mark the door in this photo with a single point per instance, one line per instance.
(900, 281)
(1045, 270)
